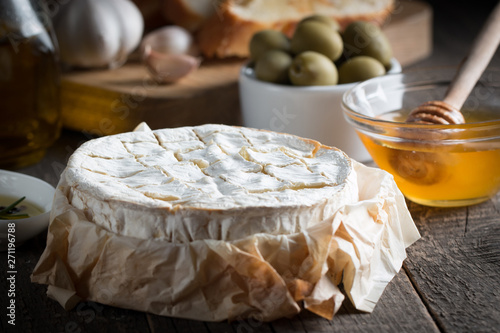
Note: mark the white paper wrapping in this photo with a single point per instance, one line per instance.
(262, 276)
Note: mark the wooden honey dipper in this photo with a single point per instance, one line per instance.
(447, 111)
(427, 168)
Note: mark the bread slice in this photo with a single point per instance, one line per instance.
(346, 11)
(190, 14)
(228, 31)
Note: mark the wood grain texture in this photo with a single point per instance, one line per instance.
(450, 282)
(456, 265)
(410, 30)
(399, 310)
(453, 286)
(475, 62)
(113, 101)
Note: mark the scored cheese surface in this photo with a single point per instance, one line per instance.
(208, 182)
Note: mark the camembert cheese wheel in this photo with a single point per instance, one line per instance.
(208, 182)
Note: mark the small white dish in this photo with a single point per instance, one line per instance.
(313, 112)
(36, 191)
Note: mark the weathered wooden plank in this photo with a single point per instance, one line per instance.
(167, 324)
(456, 265)
(32, 308)
(35, 312)
(399, 310)
(108, 319)
(400, 307)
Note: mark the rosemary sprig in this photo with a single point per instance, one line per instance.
(4, 213)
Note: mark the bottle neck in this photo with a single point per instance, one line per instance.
(19, 20)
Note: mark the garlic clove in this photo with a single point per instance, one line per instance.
(172, 40)
(168, 68)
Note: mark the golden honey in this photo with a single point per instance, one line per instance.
(459, 173)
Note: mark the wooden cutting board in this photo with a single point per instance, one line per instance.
(104, 102)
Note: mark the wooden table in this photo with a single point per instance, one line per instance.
(450, 281)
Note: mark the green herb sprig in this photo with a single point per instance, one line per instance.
(5, 215)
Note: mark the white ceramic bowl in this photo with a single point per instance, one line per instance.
(312, 112)
(36, 191)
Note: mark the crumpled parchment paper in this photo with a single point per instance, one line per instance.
(262, 276)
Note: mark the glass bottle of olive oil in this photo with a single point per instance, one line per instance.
(29, 83)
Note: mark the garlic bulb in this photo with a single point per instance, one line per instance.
(169, 53)
(98, 33)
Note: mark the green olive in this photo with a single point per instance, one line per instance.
(265, 40)
(359, 69)
(365, 38)
(323, 19)
(316, 36)
(273, 66)
(311, 68)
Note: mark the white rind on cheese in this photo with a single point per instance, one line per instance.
(208, 182)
